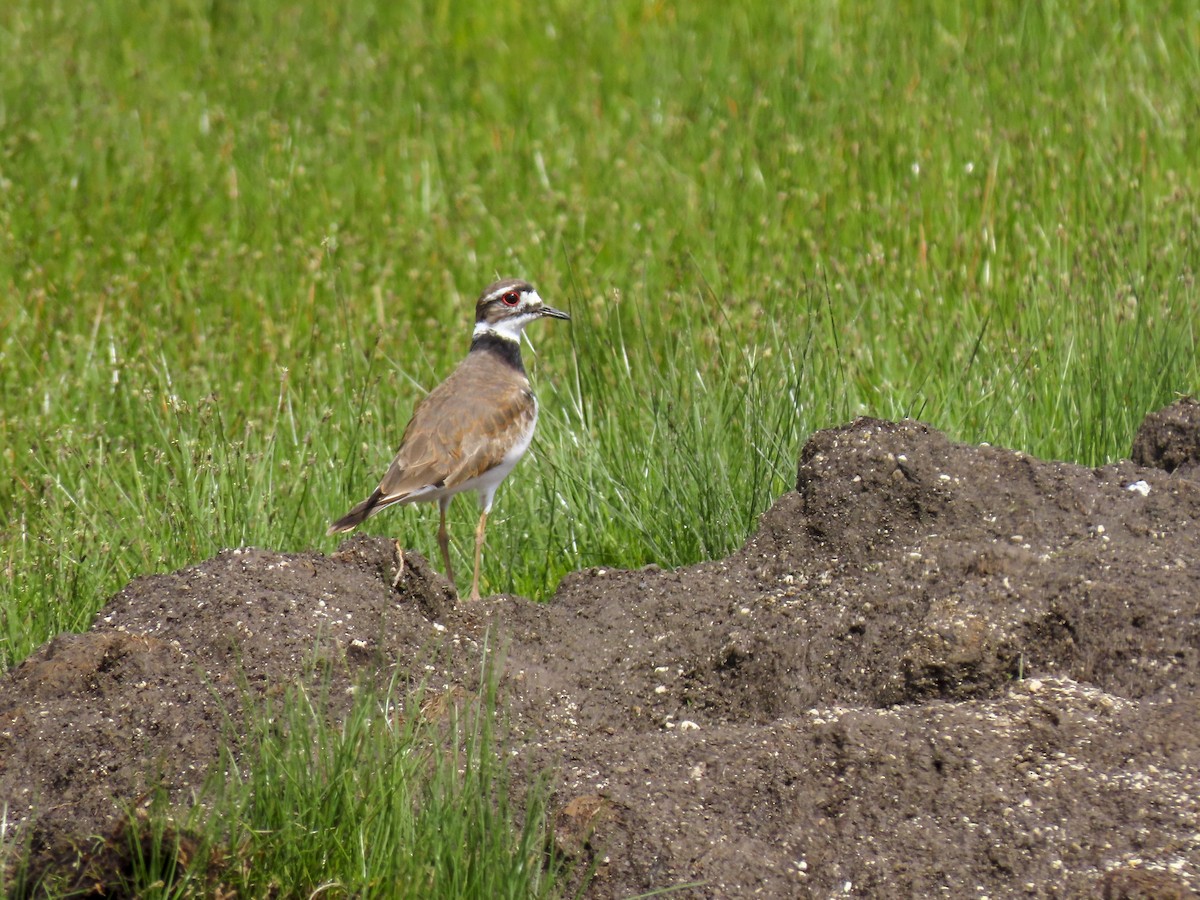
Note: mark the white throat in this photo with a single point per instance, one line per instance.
(509, 329)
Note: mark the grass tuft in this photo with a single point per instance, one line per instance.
(407, 795)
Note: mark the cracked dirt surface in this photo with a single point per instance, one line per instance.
(935, 669)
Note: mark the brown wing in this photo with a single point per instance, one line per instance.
(463, 428)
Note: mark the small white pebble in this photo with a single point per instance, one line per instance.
(688, 725)
(1139, 487)
(661, 689)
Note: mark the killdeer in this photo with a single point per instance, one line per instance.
(471, 430)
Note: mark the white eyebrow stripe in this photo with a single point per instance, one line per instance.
(501, 291)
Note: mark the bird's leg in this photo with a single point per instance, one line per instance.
(399, 566)
(479, 529)
(444, 539)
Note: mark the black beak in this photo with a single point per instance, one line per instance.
(554, 313)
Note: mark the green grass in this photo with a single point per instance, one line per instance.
(239, 240)
(406, 796)
(394, 802)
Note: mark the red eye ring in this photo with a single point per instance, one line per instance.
(512, 298)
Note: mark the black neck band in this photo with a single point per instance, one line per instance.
(505, 348)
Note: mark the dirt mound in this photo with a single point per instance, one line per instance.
(936, 668)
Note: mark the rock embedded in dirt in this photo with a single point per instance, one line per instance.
(934, 669)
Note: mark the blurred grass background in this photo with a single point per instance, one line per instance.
(238, 240)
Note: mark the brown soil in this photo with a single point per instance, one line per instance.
(936, 669)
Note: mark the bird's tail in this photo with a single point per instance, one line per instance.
(357, 515)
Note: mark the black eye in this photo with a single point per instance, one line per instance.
(512, 298)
